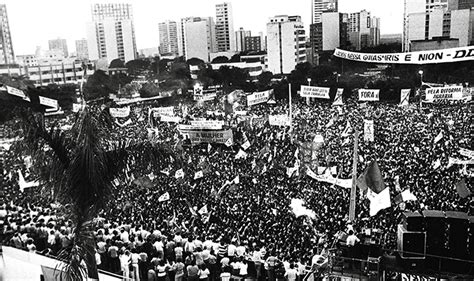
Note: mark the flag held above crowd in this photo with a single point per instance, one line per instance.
(371, 178)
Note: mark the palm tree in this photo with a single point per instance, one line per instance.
(79, 168)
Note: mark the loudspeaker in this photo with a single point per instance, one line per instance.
(411, 244)
(413, 221)
(435, 228)
(471, 238)
(458, 234)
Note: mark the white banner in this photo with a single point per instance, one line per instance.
(120, 112)
(279, 120)
(369, 94)
(207, 124)
(444, 93)
(197, 136)
(15, 92)
(314, 92)
(338, 97)
(466, 152)
(159, 111)
(368, 130)
(328, 178)
(422, 57)
(198, 89)
(404, 96)
(259, 97)
(170, 119)
(48, 102)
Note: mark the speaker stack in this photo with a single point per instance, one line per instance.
(471, 238)
(412, 241)
(458, 236)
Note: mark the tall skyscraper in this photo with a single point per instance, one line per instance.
(225, 35)
(168, 32)
(364, 30)
(59, 44)
(6, 49)
(198, 37)
(240, 36)
(286, 43)
(81, 49)
(427, 7)
(111, 33)
(320, 6)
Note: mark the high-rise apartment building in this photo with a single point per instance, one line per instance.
(59, 44)
(111, 33)
(426, 7)
(333, 31)
(253, 43)
(81, 49)
(363, 30)
(168, 32)
(240, 36)
(286, 43)
(320, 6)
(440, 24)
(225, 35)
(7, 55)
(198, 37)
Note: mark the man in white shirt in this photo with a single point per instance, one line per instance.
(352, 239)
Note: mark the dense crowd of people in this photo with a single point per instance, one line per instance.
(236, 218)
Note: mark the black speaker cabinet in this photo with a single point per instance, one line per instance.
(436, 236)
(411, 244)
(458, 234)
(413, 221)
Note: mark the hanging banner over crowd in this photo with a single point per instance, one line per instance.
(120, 112)
(48, 102)
(368, 130)
(279, 120)
(197, 136)
(259, 97)
(444, 93)
(207, 124)
(369, 94)
(314, 92)
(404, 96)
(422, 57)
(338, 97)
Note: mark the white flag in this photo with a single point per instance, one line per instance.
(236, 180)
(437, 164)
(209, 147)
(203, 210)
(408, 196)
(379, 201)
(198, 175)
(241, 154)
(404, 97)
(164, 197)
(228, 143)
(246, 145)
(179, 174)
(438, 137)
(23, 184)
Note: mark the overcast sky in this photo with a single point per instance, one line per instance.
(34, 22)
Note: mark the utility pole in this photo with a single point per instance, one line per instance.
(354, 176)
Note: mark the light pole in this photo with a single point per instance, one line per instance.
(420, 72)
(308, 98)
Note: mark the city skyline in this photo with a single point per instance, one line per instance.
(67, 19)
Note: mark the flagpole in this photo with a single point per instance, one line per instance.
(355, 159)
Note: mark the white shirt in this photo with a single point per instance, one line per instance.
(352, 240)
(231, 250)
